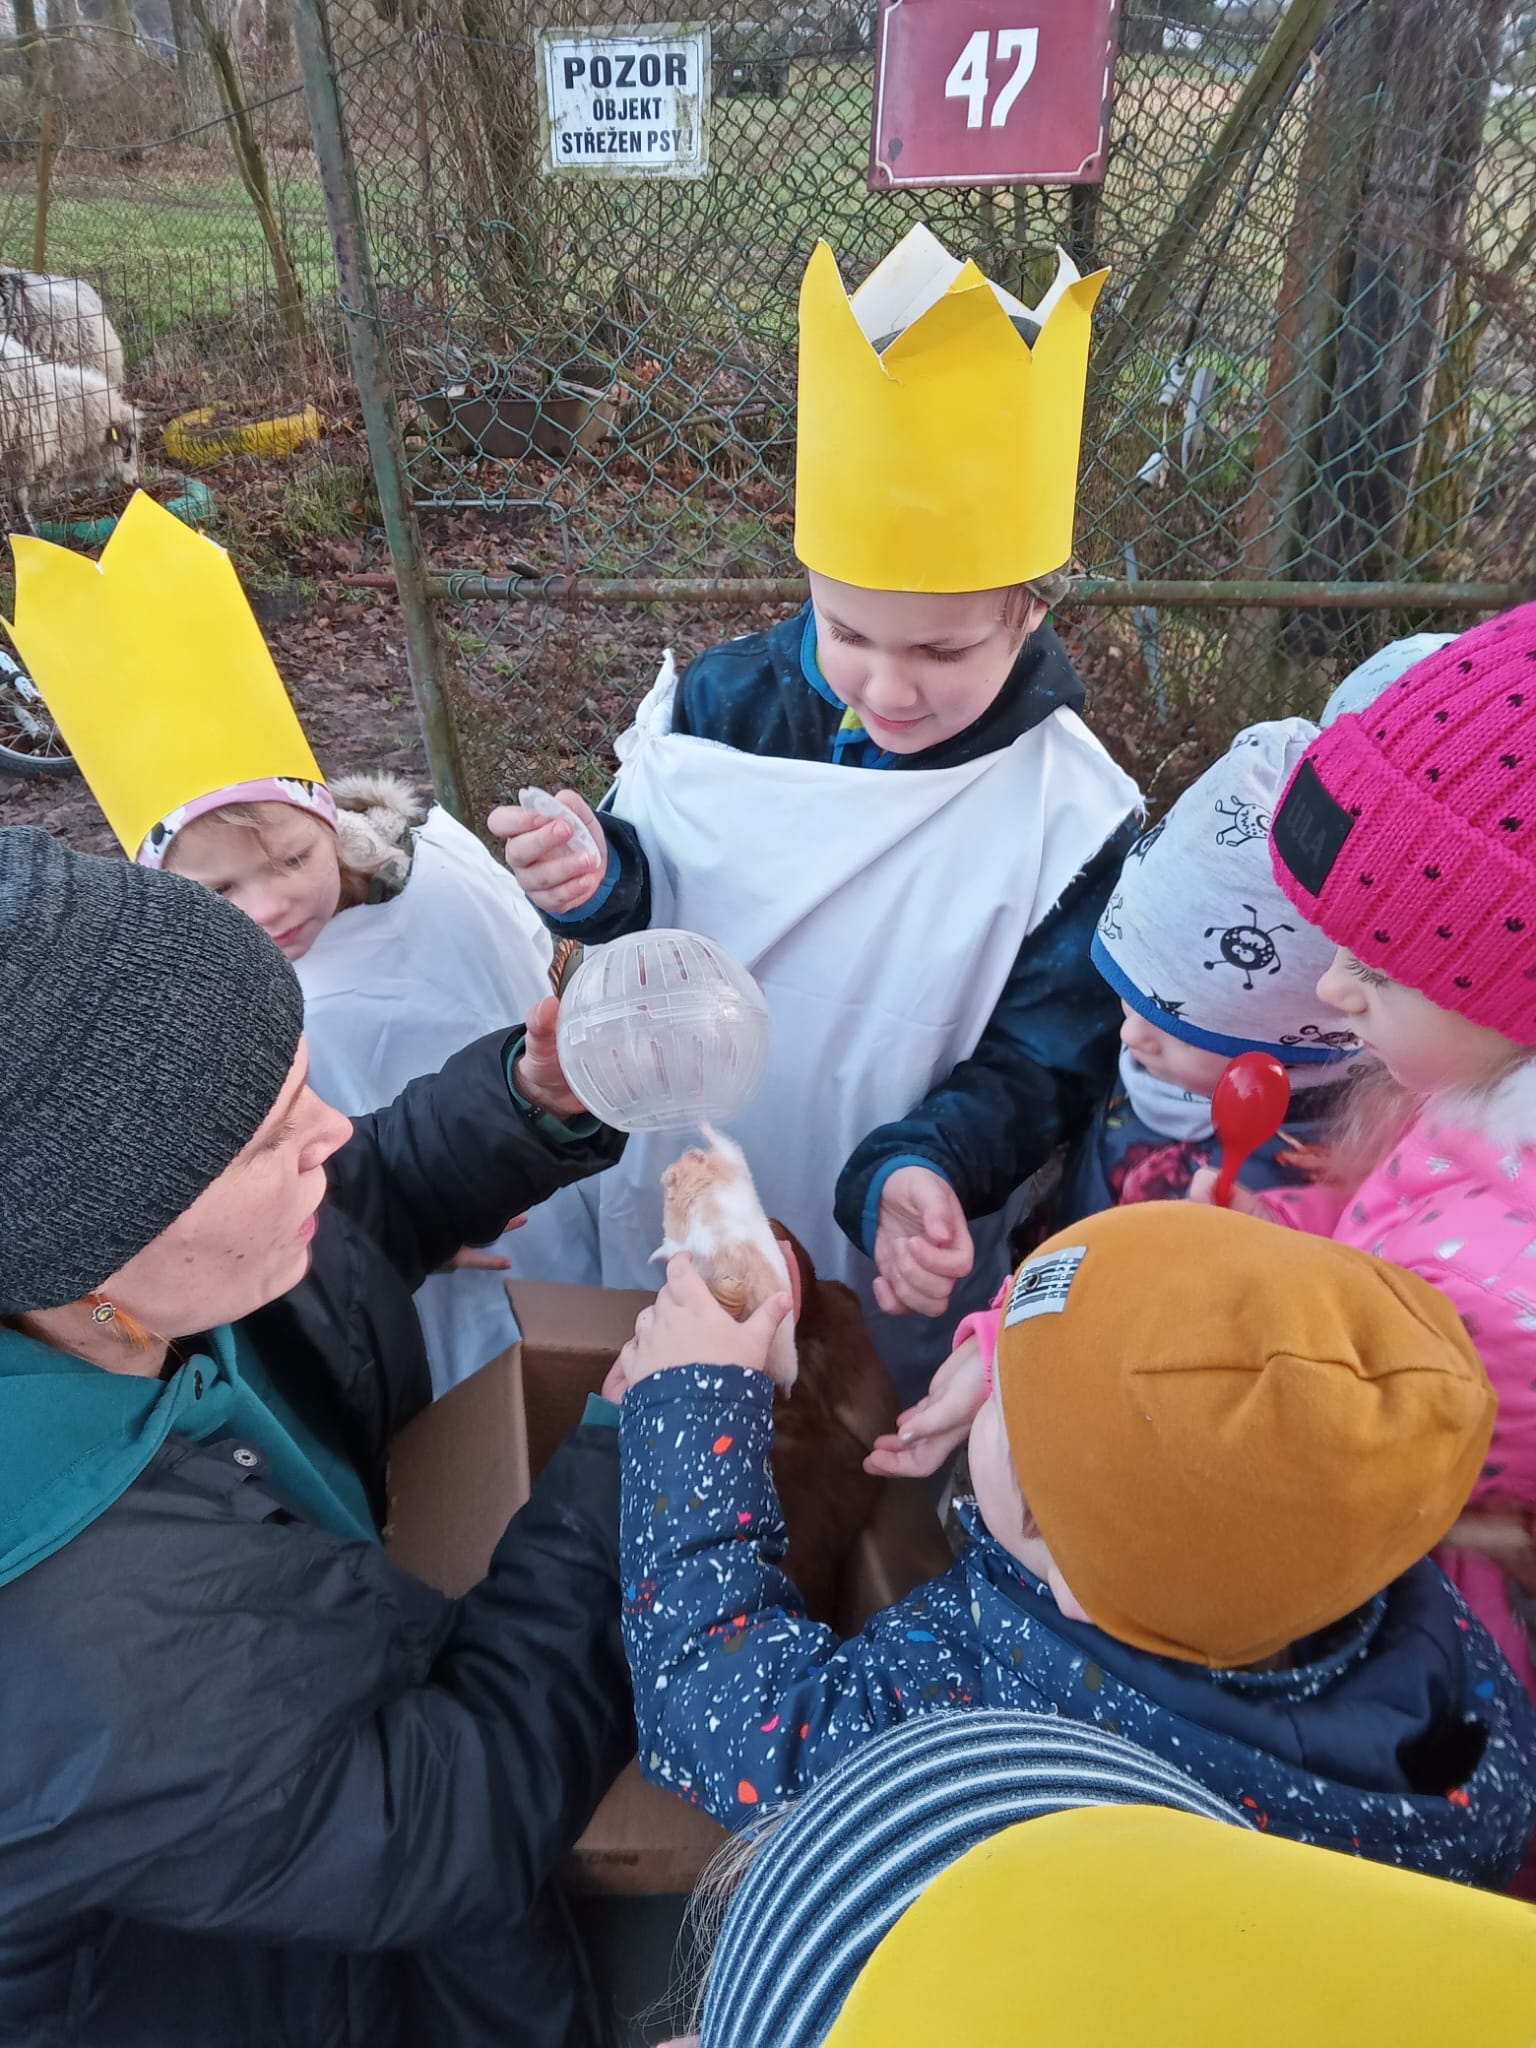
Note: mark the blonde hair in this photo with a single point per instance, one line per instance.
(1375, 1112)
(705, 1915)
(373, 832)
(1048, 590)
(1051, 588)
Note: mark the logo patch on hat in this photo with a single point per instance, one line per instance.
(1043, 1285)
(1310, 830)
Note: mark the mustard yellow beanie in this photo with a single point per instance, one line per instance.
(1232, 1434)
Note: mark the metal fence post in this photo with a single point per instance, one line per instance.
(370, 361)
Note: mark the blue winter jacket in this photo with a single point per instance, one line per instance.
(1049, 1049)
(1400, 1734)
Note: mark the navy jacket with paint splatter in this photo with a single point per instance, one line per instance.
(1400, 1734)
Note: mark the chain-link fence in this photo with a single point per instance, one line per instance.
(1315, 365)
(163, 159)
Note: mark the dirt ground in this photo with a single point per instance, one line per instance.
(344, 664)
(295, 530)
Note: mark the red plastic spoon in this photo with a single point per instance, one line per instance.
(1248, 1107)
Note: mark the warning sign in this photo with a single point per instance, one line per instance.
(628, 104)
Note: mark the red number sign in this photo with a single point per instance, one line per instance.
(993, 92)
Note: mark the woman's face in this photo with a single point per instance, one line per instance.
(245, 1240)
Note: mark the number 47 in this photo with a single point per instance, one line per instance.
(968, 78)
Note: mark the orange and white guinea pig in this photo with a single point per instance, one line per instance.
(711, 1210)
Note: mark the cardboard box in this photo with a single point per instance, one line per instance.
(459, 1472)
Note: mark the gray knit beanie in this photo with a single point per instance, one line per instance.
(147, 1028)
(833, 1878)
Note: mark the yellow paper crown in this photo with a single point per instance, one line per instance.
(948, 459)
(154, 669)
(1138, 1924)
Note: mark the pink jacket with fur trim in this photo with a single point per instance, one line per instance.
(1455, 1202)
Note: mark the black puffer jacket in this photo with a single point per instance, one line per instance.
(259, 1786)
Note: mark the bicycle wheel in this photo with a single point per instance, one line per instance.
(30, 743)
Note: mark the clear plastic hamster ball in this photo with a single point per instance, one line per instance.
(662, 1031)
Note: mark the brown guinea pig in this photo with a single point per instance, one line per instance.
(843, 1400)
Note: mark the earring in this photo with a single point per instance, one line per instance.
(102, 1311)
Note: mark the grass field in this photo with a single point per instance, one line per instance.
(173, 239)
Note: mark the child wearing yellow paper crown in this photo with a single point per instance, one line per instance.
(1010, 1877)
(409, 939)
(887, 805)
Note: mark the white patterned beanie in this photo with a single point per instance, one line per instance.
(836, 1873)
(1363, 685)
(1198, 938)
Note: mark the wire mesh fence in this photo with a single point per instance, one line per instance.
(1315, 364)
(163, 162)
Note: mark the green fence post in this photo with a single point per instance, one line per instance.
(375, 389)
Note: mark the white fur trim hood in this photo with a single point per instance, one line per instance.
(1504, 1115)
(377, 814)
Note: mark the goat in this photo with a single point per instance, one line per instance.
(60, 421)
(60, 319)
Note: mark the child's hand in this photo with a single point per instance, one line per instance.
(537, 850)
(687, 1326)
(1244, 1200)
(474, 1258)
(537, 1074)
(929, 1432)
(922, 1244)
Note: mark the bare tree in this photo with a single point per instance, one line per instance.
(252, 166)
(1364, 319)
(197, 102)
(64, 49)
(30, 49)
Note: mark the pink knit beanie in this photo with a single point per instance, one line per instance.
(1408, 831)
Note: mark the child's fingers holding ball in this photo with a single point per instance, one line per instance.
(585, 815)
(527, 837)
(547, 853)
